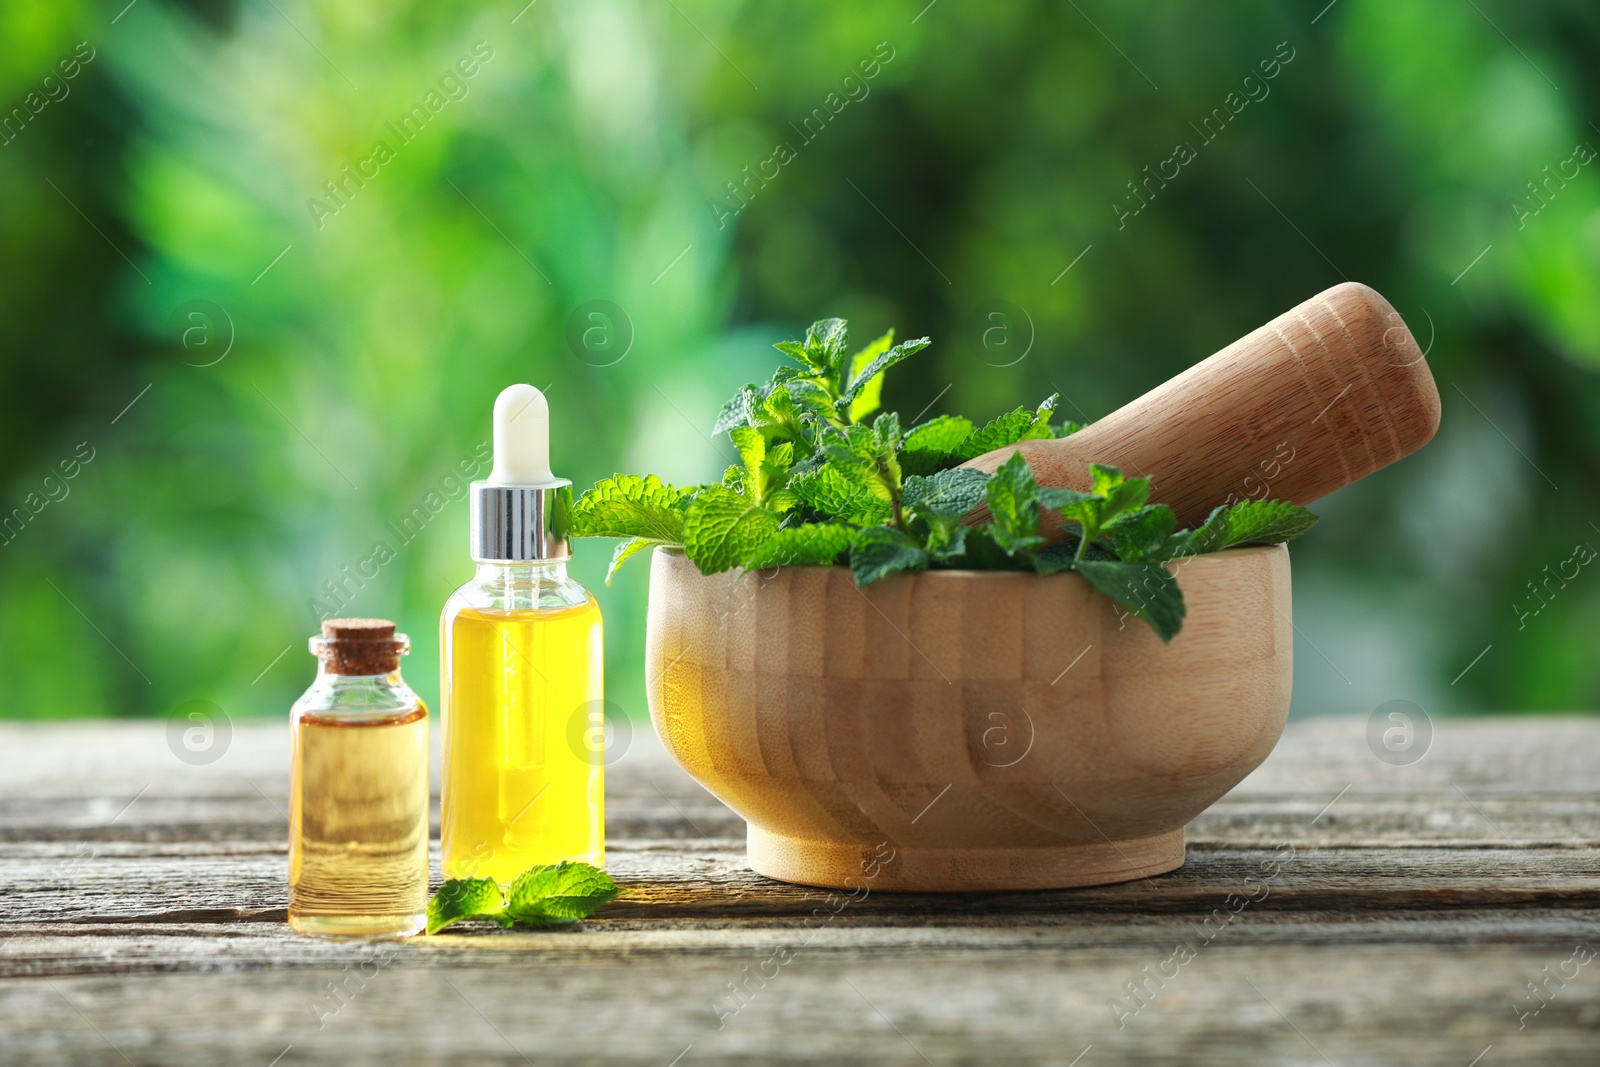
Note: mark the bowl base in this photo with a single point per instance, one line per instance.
(904, 868)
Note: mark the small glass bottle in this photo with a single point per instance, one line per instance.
(358, 791)
(520, 673)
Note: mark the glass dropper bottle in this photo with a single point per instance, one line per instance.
(520, 674)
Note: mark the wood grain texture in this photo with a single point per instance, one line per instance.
(962, 730)
(1416, 904)
(1319, 397)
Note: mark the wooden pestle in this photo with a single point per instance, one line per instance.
(1317, 398)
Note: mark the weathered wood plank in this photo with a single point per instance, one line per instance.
(681, 882)
(1229, 1005)
(1416, 904)
(1316, 757)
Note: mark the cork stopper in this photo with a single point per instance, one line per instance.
(360, 646)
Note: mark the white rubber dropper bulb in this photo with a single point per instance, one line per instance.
(521, 438)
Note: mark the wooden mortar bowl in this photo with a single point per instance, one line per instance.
(964, 730)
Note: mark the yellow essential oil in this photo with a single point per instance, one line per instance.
(520, 672)
(523, 783)
(358, 793)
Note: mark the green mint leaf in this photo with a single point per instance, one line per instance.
(883, 550)
(847, 492)
(865, 454)
(739, 410)
(807, 396)
(886, 432)
(1057, 499)
(947, 539)
(1142, 534)
(928, 447)
(881, 363)
(779, 410)
(460, 899)
(558, 894)
(796, 351)
(625, 551)
(1120, 494)
(1013, 543)
(1008, 429)
(626, 505)
(1013, 499)
(869, 396)
(1105, 479)
(853, 446)
(941, 434)
(1055, 557)
(721, 528)
(984, 554)
(1144, 588)
(757, 478)
(825, 341)
(751, 445)
(951, 492)
(810, 542)
(1250, 522)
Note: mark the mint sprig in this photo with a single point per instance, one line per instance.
(553, 895)
(818, 483)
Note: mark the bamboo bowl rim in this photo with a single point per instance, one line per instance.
(1236, 552)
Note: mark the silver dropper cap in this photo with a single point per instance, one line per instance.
(520, 523)
(521, 513)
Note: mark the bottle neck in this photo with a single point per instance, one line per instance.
(523, 586)
(337, 678)
(504, 572)
(356, 695)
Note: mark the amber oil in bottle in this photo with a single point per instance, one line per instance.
(358, 793)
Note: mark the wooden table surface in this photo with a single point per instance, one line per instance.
(1413, 913)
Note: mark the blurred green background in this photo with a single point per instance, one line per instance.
(264, 387)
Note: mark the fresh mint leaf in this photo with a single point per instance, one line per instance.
(983, 553)
(765, 470)
(625, 551)
(1250, 522)
(883, 550)
(881, 363)
(1120, 494)
(559, 893)
(1110, 502)
(952, 492)
(869, 397)
(460, 899)
(1144, 588)
(941, 434)
(947, 539)
(810, 542)
(1143, 534)
(626, 505)
(846, 492)
(1013, 499)
(739, 410)
(825, 340)
(752, 447)
(721, 528)
(541, 896)
(931, 446)
(1055, 557)
(1008, 429)
(796, 351)
(865, 455)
